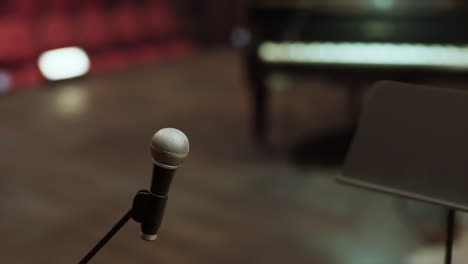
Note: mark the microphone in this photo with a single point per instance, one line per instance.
(169, 148)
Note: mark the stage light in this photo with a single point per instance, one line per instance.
(366, 54)
(64, 63)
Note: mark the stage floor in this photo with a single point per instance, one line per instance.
(73, 155)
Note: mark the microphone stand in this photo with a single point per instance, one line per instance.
(107, 237)
(147, 209)
(451, 214)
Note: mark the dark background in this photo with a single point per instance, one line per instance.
(74, 152)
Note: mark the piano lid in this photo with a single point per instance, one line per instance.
(365, 6)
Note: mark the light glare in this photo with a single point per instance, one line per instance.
(64, 63)
(71, 101)
(410, 55)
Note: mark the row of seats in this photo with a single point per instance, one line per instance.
(90, 28)
(114, 34)
(27, 75)
(32, 8)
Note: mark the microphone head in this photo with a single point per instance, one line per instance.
(169, 148)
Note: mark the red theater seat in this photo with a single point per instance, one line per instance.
(92, 29)
(55, 31)
(127, 25)
(108, 61)
(145, 54)
(91, 3)
(16, 40)
(159, 22)
(26, 75)
(60, 5)
(180, 48)
(26, 8)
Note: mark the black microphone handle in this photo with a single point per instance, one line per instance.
(154, 214)
(161, 180)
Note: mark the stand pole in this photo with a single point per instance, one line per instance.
(107, 237)
(450, 236)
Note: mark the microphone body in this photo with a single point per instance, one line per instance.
(156, 202)
(161, 180)
(169, 148)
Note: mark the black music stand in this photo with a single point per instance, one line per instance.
(412, 141)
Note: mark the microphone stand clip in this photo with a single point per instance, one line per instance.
(147, 209)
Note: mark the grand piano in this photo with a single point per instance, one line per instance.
(354, 41)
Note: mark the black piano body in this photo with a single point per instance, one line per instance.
(354, 45)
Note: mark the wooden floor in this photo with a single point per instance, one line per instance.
(73, 154)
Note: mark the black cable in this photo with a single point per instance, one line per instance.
(450, 236)
(107, 237)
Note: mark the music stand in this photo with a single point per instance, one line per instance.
(412, 141)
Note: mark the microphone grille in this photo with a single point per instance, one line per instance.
(169, 148)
